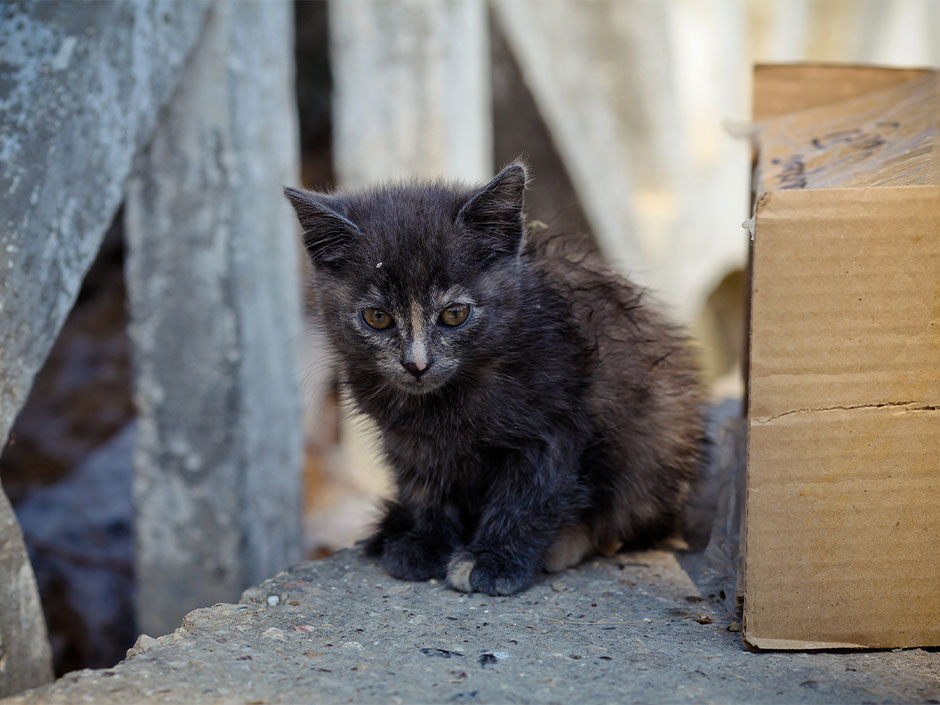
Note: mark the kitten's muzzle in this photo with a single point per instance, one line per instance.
(417, 367)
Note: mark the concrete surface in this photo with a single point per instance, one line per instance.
(634, 628)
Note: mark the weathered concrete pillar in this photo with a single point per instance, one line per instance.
(635, 94)
(411, 90)
(214, 296)
(81, 86)
(411, 99)
(25, 656)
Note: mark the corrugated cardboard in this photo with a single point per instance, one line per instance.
(842, 539)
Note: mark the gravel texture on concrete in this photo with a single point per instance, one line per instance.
(632, 628)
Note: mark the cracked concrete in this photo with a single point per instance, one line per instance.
(633, 628)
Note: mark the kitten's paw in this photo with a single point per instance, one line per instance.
(396, 522)
(411, 557)
(487, 572)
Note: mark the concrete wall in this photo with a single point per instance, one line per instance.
(215, 322)
(411, 90)
(633, 95)
(80, 91)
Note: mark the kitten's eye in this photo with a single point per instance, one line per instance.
(377, 318)
(454, 315)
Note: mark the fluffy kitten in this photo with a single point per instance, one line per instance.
(534, 409)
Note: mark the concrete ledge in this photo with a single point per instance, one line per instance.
(630, 628)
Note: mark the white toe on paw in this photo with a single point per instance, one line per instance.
(458, 572)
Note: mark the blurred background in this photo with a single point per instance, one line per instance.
(632, 114)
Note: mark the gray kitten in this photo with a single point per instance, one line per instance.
(533, 407)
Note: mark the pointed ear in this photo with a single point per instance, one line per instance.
(327, 232)
(496, 211)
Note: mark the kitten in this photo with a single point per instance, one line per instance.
(533, 407)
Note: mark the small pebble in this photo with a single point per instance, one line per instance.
(734, 627)
(274, 600)
(559, 586)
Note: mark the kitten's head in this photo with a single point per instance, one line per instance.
(416, 284)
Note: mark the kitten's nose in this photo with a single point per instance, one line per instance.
(416, 368)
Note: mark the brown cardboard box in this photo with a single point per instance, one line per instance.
(842, 538)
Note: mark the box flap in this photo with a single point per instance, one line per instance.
(888, 137)
(786, 88)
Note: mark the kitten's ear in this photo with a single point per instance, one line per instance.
(327, 232)
(496, 211)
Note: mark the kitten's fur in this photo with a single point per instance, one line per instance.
(561, 418)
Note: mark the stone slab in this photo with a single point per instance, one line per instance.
(633, 628)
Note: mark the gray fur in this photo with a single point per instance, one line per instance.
(563, 406)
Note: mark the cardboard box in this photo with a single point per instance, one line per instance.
(842, 537)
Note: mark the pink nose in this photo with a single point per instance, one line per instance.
(416, 368)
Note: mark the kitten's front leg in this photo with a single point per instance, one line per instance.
(413, 543)
(522, 516)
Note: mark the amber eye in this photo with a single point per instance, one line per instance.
(377, 318)
(454, 315)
